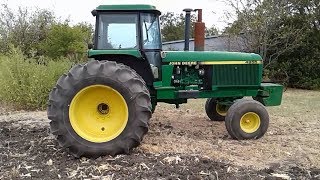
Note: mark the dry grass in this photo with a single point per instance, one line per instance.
(291, 141)
(292, 138)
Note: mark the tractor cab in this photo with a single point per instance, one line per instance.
(128, 28)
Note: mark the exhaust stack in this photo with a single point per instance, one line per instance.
(199, 32)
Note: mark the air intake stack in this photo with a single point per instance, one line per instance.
(187, 28)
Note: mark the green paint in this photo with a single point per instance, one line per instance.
(238, 75)
(166, 93)
(271, 94)
(128, 7)
(167, 71)
(172, 93)
(196, 56)
(192, 87)
(229, 92)
(157, 84)
(131, 52)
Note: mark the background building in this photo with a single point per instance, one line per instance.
(212, 43)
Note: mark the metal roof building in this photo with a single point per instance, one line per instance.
(212, 43)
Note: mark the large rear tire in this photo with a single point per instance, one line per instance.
(99, 108)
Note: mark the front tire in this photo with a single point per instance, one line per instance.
(215, 111)
(247, 119)
(99, 108)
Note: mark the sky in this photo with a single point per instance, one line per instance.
(80, 10)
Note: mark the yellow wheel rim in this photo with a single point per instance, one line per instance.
(98, 113)
(250, 122)
(221, 109)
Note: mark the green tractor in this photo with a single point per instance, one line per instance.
(103, 107)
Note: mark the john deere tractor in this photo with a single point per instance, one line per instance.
(103, 107)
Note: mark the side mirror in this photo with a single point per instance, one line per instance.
(94, 12)
(90, 45)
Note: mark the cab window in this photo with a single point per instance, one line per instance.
(117, 31)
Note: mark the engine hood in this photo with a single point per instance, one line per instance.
(210, 56)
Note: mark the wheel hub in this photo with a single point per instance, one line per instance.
(103, 108)
(221, 109)
(98, 113)
(250, 122)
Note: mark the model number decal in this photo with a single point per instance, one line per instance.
(183, 63)
(252, 62)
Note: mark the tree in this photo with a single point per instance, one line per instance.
(24, 29)
(173, 26)
(66, 41)
(39, 33)
(265, 26)
(285, 33)
(212, 31)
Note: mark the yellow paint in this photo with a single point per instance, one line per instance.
(98, 113)
(191, 63)
(221, 110)
(250, 122)
(229, 62)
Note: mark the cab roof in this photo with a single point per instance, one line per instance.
(127, 7)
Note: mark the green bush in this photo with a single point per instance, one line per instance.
(26, 82)
(64, 40)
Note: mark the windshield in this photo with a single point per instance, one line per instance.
(117, 31)
(150, 31)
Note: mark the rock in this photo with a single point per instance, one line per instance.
(282, 176)
(49, 163)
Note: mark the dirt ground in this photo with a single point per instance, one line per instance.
(181, 144)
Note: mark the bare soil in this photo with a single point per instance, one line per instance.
(181, 144)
